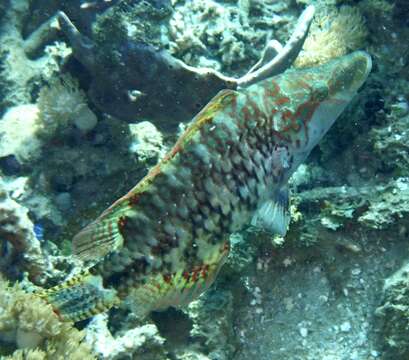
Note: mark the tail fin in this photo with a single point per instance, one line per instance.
(80, 297)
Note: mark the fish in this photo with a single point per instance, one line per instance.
(164, 242)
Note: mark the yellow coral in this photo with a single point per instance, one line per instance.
(31, 326)
(333, 34)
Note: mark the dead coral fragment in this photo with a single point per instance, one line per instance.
(333, 33)
(17, 229)
(31, 326)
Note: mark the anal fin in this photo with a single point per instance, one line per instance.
(178, 289)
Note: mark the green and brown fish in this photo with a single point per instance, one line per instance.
(163, 243)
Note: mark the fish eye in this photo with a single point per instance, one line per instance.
(320, 93)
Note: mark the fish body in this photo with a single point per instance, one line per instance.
(164, 242)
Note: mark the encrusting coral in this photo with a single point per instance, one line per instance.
(30, 327)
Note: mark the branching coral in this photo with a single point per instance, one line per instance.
(30, 325)
(333, 33)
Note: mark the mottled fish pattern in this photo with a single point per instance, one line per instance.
(164, 242)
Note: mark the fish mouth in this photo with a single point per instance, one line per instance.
(350, 74)
(361, 64)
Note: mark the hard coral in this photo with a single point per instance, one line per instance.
(333, 33)
(33, 329)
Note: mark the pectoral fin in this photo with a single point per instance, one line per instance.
(274, 215)
(102, 236)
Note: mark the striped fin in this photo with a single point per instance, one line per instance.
(101, 236)
(80, 297)
(178, 289)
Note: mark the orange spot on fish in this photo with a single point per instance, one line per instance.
(195, 275)
(282, 100)
(257, 113)
(133, 199)
(272, 89)
(122, 222)
(205, 271)
(186, 275)
(226, 247)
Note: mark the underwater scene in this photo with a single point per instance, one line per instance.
(204, 179)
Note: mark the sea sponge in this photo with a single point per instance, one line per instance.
(333, 33)
(61, 104)
(34, 330)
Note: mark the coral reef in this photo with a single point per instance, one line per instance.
(142, 343)
(17, 229)
(30, 325)
(333, 33)
(315, 294)
(20, 72)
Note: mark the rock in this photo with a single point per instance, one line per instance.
(146, 141)
(18, 129)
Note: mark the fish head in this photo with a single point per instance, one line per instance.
(318, 96)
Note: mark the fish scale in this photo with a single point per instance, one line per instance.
(163, 243)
